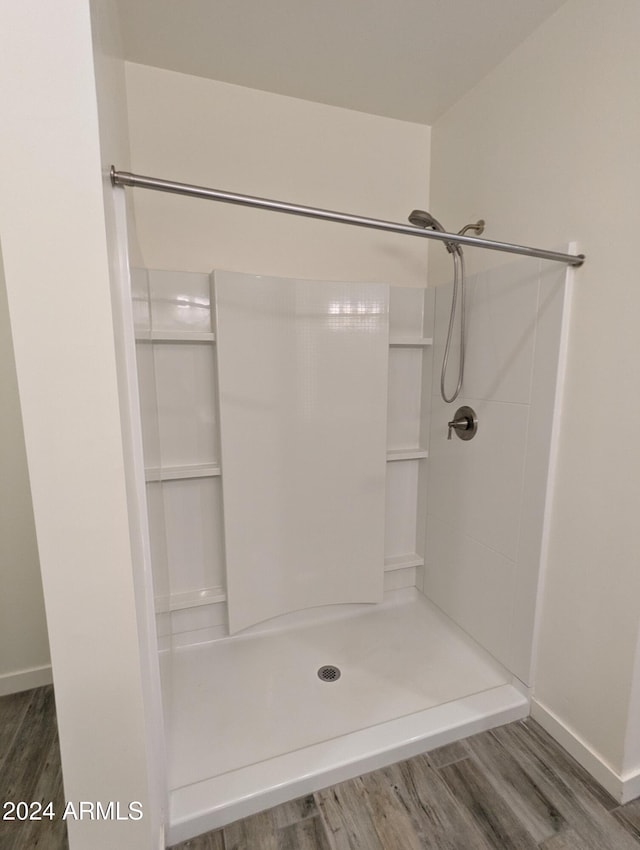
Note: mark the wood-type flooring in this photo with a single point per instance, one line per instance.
(30, 769)
(512, 788)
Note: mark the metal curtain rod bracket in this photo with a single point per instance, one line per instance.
(125, 178)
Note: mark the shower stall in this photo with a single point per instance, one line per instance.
(339, 581)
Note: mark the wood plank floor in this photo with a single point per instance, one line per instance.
(30, 769)
(512, 788)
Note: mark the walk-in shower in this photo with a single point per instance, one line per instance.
(338, 586)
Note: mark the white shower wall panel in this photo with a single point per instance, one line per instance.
(196, 624)
(501, 332)
(158, 543)
(194, 534)
(400, 523)
(145, 362)
(474, 584)
(303, 369)
(140, 303)
(476, 486)
(177, 357)
(404, 398)
(186, 388)
(180, 301)
(177, 381)
(410, 311)
(486, 497)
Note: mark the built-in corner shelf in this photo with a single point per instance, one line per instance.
(396, 341)
(179, 473)
(406, 454)
(174, 336)
(401, 562)
(190, 599)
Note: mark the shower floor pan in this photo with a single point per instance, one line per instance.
(251, 723)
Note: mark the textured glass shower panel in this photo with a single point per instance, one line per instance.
(302, 369)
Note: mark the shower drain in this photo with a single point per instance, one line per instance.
(329, 673)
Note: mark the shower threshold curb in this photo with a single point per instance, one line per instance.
(218, 801)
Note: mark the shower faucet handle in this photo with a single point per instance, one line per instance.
(461, 424)
(465, 423)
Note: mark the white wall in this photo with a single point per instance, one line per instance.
(214, 134)
(56, 266)
(24, 646)
(545, 148)
(121, 246)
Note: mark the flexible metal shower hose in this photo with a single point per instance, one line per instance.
(458, 282)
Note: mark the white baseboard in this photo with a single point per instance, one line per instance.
(623, 787)
(24, 680)
(631, 783)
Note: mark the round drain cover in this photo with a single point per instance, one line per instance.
(329, 673)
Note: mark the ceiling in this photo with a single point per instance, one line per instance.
(405, 59)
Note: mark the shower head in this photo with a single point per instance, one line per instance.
(421, 218)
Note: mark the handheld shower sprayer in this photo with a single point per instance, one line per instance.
(422, 218)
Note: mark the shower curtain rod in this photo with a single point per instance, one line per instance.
(126, 178)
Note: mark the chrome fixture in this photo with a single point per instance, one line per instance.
(464, 423)
(421, 218)
(478, 227)
(329, 673)
(126, 178)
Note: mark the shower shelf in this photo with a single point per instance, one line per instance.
(406, 454)
(177, 473)
(185, 336)
(211, 595)
(401, 562)
(409, 341)
(175, 336)
(190, 599)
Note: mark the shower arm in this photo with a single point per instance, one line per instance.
(126, 178)
(478, 227)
